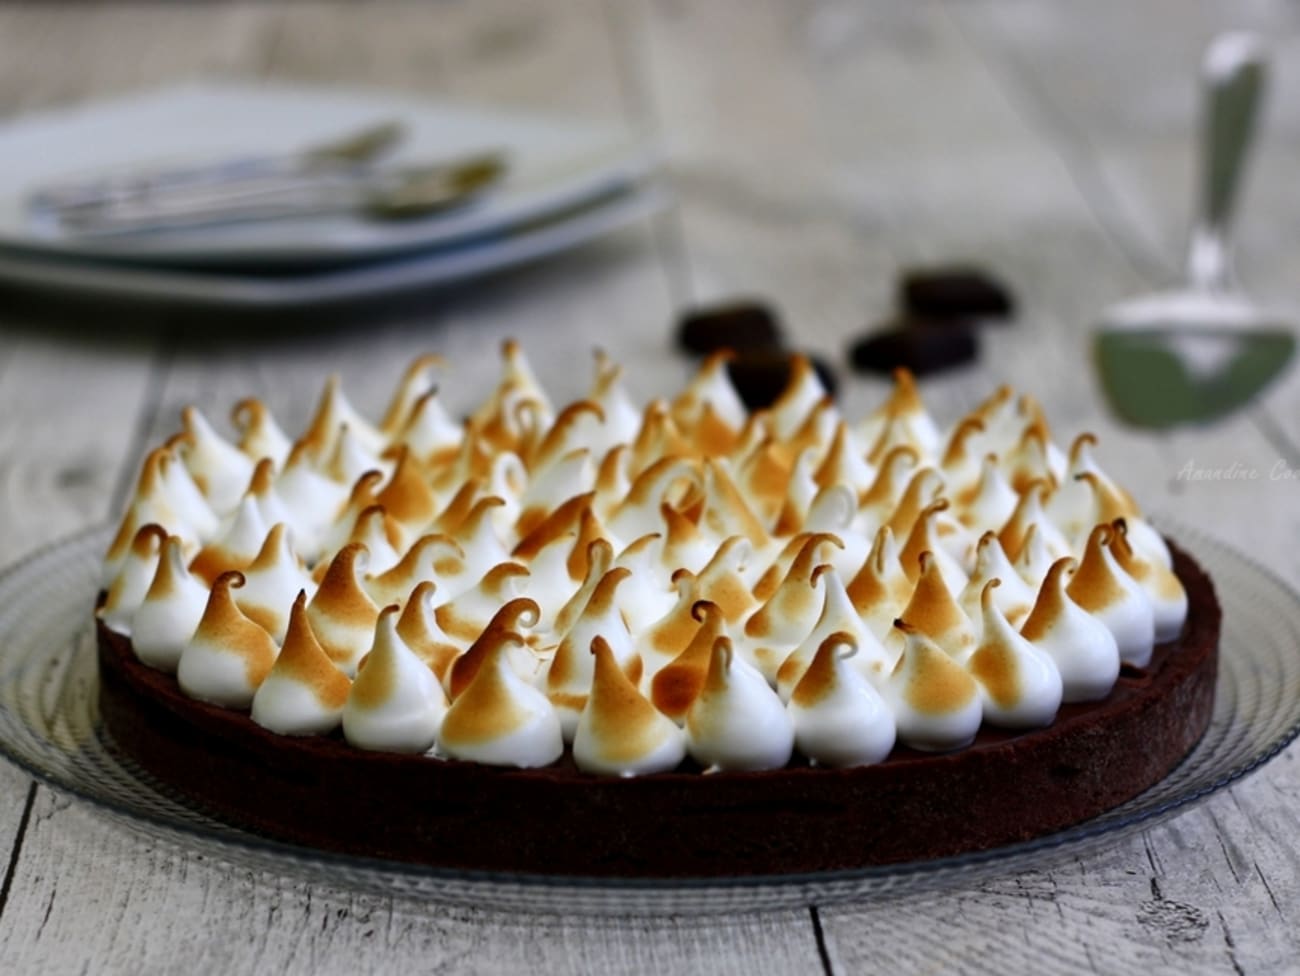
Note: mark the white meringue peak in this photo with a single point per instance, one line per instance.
(1101, 587)
(229, 655)
(736, 721)
(396, 703)
(170, 612)
(620, 733)
(1081, 646)
(129, 588)
(1021, 685)
(304, 693)
(935, 701)
(839, 717)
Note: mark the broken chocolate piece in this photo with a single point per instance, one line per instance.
(740, 325)
(922, 347)
(760, 376)
(954, 292)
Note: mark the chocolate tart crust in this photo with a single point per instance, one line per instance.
(1007, 787)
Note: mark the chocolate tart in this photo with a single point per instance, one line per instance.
(1007, 787)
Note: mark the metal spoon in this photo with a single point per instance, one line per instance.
(1204, 350)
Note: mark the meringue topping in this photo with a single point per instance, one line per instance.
(736, 721)
(170, 612)
(935, 701)
(229, 655)
(500, 719)
(493, 542)
(1020, 684)
(839, 718)
(1081, 646)
(620, 732)
(395, 704)
(304, 693)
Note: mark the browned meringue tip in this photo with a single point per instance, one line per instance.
(263, 479)
(563, 520)
(957, 443)
(986, 594)
(503, 628)
(1085, 439)
(405, 395)
(272, 545)
(1050, 600)
(819, 678)
(148, 539)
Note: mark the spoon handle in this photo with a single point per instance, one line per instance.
(1233, 74)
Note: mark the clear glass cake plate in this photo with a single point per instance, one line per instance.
(50, 726)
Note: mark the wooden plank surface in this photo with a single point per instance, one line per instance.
(816, 147)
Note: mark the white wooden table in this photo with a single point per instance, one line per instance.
(816, 147)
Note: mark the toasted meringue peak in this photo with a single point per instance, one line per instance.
(1029, 511)
(261, 489)
(721, 582)
(816, 432)
(677, 684)
(1013, 596)
(381, 536)
(180, 495)
(170, 611)
(652, 487)
(1162, 587)
(801, 490)
(135, 574)
(838, 616)
(1081, 646)
(465, 617)
(569, 476)
(570, 673)
(905, 407)
(236, 548)
(341, 614)
(351, 458)
(1071, 506)
(433, 558)
(500, 719)
(416, 383)
(648, 594)
(726, 512)
(515, 618)
(407, 496)
(880, 589)
(990, 501)
(936, 702)
(1020, 684)
(220, 469)
(1028, 461)
(271, 581)
(1102, 588)
(924, 537)
(788, 617)
(833, 512)
(1002, 422)
(600, 559)
(896, 472)
(736, 721)
(479, 541)
(229, 655)
(304, 693)
(564, 520)
(961, 459)
(802, 394)
(1109, 504)
(685, 546)
(1034, 559)
(312, 501)
(335, 414)
(418, 627)
(845, 463)
(622, 419)
(923, 489)
(395, 704)
(764, 474)
(668, 636)
(710, 407)
(620, 733)
(430, 432)
(259, 435)
(935, 613)
(839, 718)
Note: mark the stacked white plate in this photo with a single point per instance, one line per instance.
(567, 182)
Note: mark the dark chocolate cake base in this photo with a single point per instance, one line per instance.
(1007, 787)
